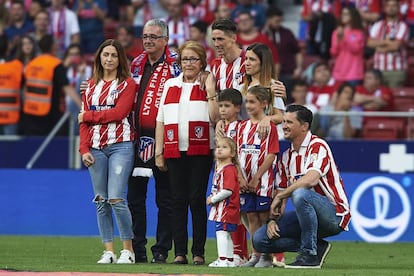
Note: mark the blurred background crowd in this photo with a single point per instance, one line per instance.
(332, 55)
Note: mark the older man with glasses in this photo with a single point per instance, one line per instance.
(150, 71)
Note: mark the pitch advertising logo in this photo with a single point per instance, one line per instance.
(381, 209)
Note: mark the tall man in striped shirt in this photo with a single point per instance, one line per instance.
(308, 174)
(228, 68)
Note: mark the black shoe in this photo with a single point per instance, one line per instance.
(198, 260)
(322, 251)
(305, 261)
(159, 258)
(141, 259)
(180, 260)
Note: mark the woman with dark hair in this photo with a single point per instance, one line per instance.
(26, 49)
(347, 47)
(107, 147)
(260, 72)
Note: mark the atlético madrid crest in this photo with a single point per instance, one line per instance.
(146, 148)
(199, 132)
(170, 134)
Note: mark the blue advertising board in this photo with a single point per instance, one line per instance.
(381, 207)
(350, 155)
(59, 202)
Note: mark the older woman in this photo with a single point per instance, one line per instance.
(184, 139)
(106, 145)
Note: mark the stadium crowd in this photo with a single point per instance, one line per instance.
(350, 37)
(354, 56)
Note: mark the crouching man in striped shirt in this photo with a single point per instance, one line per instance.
(308, 174)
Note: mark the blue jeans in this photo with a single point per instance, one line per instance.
(109, 174)
(314, 218)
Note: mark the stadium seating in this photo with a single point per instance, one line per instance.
(309, 60)
(384, 129)
(410, 129)
(410, 72)
(403, 98)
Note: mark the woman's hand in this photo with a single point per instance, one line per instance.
(220, 129)
(252, 185)
(208, 201)
(80, 116)
(279, 90)
(88, 159)
(83, 86)
(263, 127)
(340, 32)
(297, 73)
(160, 162)
(244, 188)
(202, 78)
(209, 85)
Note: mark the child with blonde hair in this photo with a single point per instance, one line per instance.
(225, 200)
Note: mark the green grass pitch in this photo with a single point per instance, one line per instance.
(39, 253)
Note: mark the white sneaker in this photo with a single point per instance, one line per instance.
(238, 261)
(254, 259)
(127, 257)
(219, 263)
(107, 257)
(264, 261)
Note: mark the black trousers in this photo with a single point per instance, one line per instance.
(189, 177)
(137, 195)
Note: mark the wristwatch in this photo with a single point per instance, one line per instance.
(271, 219)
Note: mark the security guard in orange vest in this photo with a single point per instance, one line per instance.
(10, 85)
(45, 88)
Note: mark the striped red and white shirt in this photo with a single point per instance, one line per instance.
(396, 60)
(315, 154)
(228, 75)
(179, 31)
(199, 12)
(368, 5)
(107, 116)
(321, 95)
(407, 9)
(252, 154)
(227, 210)
(211, 5)
(313, 6)
(231, 129)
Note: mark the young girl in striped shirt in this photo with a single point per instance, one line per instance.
(256, 157)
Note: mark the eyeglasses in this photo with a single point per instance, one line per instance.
(152, 37)
(191, 60)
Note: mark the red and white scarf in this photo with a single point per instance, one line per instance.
(146, 113)
(152, 95)
(197, 117)
(58, 27)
